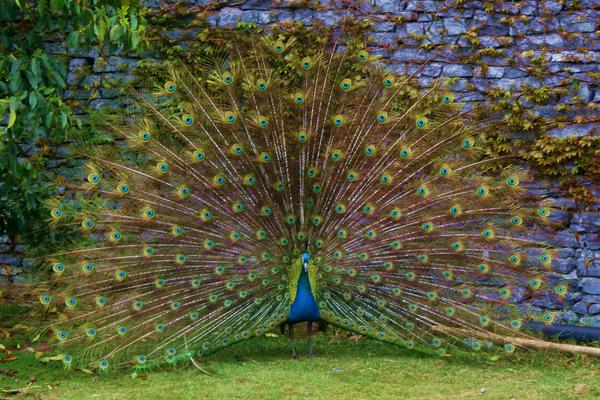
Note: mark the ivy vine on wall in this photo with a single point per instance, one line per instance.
(37, 121)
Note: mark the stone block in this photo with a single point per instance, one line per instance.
(587, 305)
(591, 241)
(10, 259)
(432, 70)
(422, 5)
(564, 265)
(589, 219)
(454, 26)
(565, 238)
(384, 26)
(594, 309)
(550, 6)
(77, 94)
(470, 97)
(79, 62)
(90, 81)
(389, 6)
(104, 104)
(588, 263)
(590, 285)
(409, 55)
(383, 39)
(304, 16)
(577, 23)
(255, 4)
(327, 17)
(266, 17)
(415, 28)
(489, 41)
(514, 73)
(425, 17)
(229, 17)
(453, 70)
(573, 130)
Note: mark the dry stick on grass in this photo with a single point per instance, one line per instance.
(532, 343)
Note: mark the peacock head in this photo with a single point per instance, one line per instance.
(305, 258)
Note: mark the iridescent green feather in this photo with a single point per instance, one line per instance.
(191, 231)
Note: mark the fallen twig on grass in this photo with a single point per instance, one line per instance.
(532, 343)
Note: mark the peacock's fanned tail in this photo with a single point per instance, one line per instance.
(191, 229)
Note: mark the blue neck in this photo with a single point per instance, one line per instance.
(304, 308)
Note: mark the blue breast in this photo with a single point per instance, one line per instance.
(304, 308)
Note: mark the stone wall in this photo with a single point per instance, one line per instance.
(407, 33)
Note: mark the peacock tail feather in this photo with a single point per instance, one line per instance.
(192, 226)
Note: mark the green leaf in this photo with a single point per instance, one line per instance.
(133, 21)
(135, 40)
(56, 5)
(3, 106)
(35, 66)
(115, 33)
(73, 40)
(63, 119)
(33, 100)
(41, 7)
(49, 119)
(12, 117)
(100, 30)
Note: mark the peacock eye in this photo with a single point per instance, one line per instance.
(87, 267)
(162, 167)
(237, 149)
(145, 136)
(199, 155)
(93, 178)
(230, 117)
(299, 98)
(302, 137)
(188, 119)
(227, 78)
(447, 99)
(170, 86)
(542, 212)
(346, 85)
(306, 63)
(261, 85)
(483, 191)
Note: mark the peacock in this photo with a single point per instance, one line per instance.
(273, 184)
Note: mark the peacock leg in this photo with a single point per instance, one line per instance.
(310, 344)
(291, 332)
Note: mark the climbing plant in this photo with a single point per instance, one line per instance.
(38, 124)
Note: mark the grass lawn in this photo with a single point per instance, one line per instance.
(341, 369)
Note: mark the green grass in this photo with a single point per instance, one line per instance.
(341, 369)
